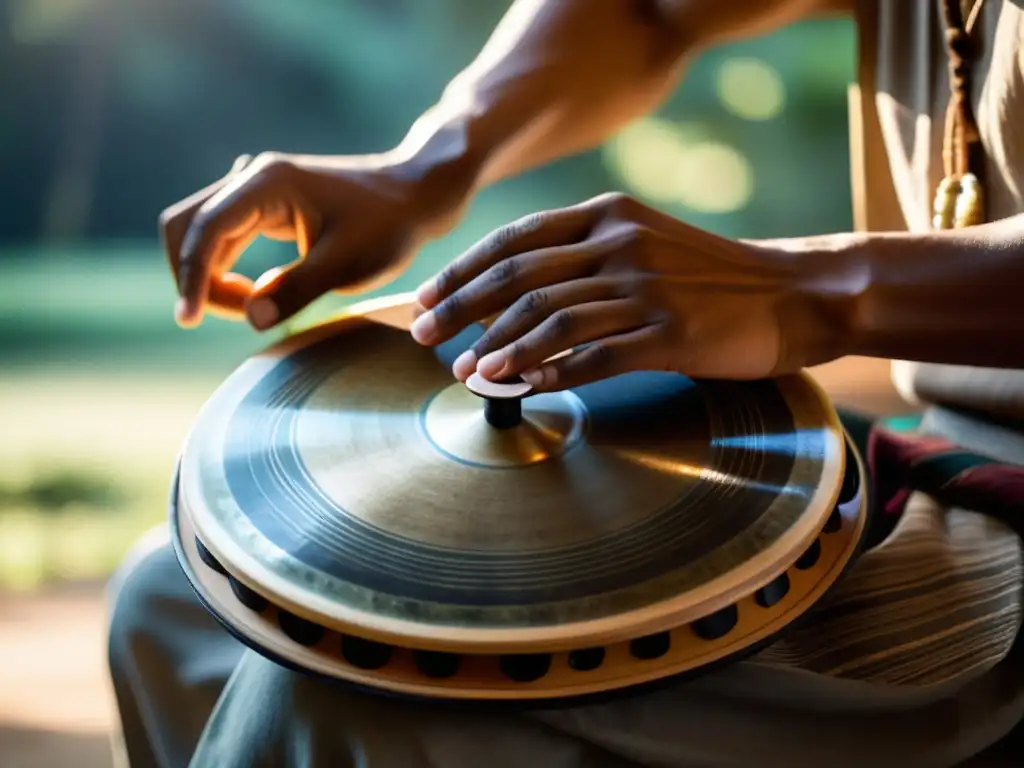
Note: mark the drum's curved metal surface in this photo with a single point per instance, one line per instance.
(347, 478)
(581, 675)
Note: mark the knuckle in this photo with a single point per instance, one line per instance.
(266, 158)
(489, 340)
(449, 310)
(172, 223)
(501, 236)
(562, 323)
(166, 218)
(530, 222)
(632, 237)
(195, 255)
(640, 244)
(532, 303)
(514, 354)
(612, 199)
(504, 235)
(272, 165)
(446, 278)
(504, 272)
(189, 270)
(198, 231)
(635, 234)
(637, 284)
(617, 204)
(188, 276)
(631, 244)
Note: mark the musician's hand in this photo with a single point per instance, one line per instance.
(637, 290)
(356, 222)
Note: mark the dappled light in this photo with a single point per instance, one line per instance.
(751, 89)
(667, 163)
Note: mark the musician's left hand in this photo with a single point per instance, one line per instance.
(630, 288)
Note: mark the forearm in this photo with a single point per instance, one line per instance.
(558, 77)
(555, 78)
(953, 297)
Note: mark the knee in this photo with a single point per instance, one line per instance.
(270, 715)
(150, 550)
(305, 697)
(137, 590)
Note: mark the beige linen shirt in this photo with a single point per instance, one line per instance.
(897, 117)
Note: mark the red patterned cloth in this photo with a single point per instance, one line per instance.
(901, 464)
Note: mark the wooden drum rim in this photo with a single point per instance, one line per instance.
(563, 687)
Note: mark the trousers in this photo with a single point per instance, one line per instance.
(189, 694)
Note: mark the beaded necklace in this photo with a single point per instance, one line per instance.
(959, 201)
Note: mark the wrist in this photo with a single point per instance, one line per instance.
(948, 297)
(822, 312)
(439, 160)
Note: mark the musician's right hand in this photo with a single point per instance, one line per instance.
(356, 223)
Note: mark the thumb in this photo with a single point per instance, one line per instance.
(281, 293)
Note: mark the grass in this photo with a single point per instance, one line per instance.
(98, 388)
(85, 466)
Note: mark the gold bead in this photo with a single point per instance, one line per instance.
(944, 206)
(969, 210)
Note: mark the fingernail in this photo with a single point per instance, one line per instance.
(426, 294)
(262, 313)
(184, 315)
(264, 281)
(424, 328)
(491, 366)
(534, 378)
(464, 365)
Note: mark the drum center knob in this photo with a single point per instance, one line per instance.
(503, 401)
(490, 424)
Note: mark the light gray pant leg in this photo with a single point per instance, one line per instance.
(270, 717)
(169, 658)
(175, 671)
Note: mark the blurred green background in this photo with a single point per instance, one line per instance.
(112, 109)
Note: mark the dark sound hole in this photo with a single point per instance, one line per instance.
(851, 478)
(300, 630)
(834, 522)
(718, 624)
(436, 663)
(207, 557)
(773, 592)
(365, 654)
(810, 556)
(651, 646)
(525, 667)
(247, 597)
(586, 659)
